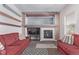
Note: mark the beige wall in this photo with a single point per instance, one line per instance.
(66, 11)
(4, 19)
(57, 29)
(8, 12)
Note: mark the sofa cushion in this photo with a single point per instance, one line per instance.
(62, 45)
(65, 45)
(2, 52)
(13, 50)
(72, 50)
(10, 38)
(18, 47)
(68, 49)
(76, 39)
(21, 43)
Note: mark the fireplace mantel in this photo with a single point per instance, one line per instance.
(41, 26)
(49, 38)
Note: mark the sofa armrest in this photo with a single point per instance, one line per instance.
(3, 52)
(25, 40)
(59, 41)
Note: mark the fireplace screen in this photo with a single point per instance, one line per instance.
(48, 33)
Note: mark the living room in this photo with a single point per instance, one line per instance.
(39, 29)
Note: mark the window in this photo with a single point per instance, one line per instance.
(69, 23)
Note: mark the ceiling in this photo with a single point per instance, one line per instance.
(40, 7)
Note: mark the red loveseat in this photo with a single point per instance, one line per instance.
(13, 46)
(68, 49)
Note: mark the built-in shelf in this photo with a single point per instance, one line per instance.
(41, 26)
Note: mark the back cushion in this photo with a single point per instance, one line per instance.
(76, 39)
(2, 40)
(10, 38)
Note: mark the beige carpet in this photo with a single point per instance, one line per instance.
(45, 46)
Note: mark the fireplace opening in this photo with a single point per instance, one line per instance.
(48, 34)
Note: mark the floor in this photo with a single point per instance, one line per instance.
(32, 50)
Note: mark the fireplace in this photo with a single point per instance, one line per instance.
(47, 34)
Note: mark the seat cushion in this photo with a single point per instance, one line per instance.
(22, 43)
(62, 45)
(2, 52)
(68, 49)
(72, 50)
(13, 50)
(18, 47)
(10, 38)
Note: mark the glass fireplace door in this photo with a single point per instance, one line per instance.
(48, 33)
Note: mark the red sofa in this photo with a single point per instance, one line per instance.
(68, 49)
(13, 46)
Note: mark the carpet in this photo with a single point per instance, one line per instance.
(32, 50)
(45, 46)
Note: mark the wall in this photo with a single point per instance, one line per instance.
(4, 29)
(66, 11)
(56, 26)
(8, 12)
(26, 18)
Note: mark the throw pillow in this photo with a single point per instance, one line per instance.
(1, 46)
(68, 39)
(65, 39)
(71, 40)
